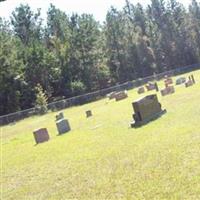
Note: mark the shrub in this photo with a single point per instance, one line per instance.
(41, 100)
(77, 88)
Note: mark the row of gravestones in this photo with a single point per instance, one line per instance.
(62, 124)
(169, 88)
(41, 135)
(145, 109)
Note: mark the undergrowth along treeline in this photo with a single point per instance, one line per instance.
(74, 54)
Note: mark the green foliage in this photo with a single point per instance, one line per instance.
(77, 87)
(41, 100)
(72, 54)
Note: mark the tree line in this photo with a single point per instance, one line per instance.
(74, 54)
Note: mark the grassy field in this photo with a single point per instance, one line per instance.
(102, 158)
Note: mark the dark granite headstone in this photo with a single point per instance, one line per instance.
(192, 78)
(88, 113)
(146, 109)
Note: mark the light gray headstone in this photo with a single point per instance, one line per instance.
(63, 126)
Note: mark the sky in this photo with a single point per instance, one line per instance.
(96, 7)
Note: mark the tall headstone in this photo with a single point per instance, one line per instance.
(41, 135)
(192, 78)
(63, 126)
(146, 109)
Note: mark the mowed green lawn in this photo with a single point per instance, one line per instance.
(102, 158)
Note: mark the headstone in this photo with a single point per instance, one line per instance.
(88, 113)
(180, 80)
(141, 90)
(41, 135)
(151, 86)
(111, 95)
(188, 83)
(156, 87)
(60, 116)
(63, 126)
(168, 81)
(193, 80)
(168, 90)
(121, 95)
(146, 109)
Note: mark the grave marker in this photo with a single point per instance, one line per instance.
(121, 95)
(145, 110)
(60, 116)
(141, 90)
(88, 113)
(180, 80)
(63, 126)
(41, 135)
(168, 90)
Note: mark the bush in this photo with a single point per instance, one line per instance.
(77, 88)
(41, 100)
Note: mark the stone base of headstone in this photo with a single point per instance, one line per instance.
(41, 135)
(136, 124)
(141, 90)
(63, 126)
(121, 95)
(146, 109)
(88, 113)
(168, 90)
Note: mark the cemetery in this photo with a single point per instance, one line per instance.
(144, 141)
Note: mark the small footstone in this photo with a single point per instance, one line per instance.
(88, 113)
